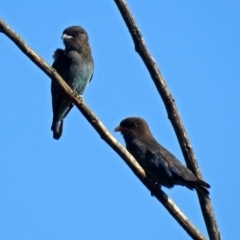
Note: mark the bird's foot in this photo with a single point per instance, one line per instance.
(158, 186)
(75, 93)
(80, 97)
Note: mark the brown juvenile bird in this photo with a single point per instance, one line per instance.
(159, 164)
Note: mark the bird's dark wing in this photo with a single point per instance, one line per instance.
(60, 103)
(163, 167)
(150, 158)
(175, 165)
(157, 160)
(179, 173)
(61, 66)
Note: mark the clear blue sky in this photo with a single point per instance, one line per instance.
(77, 187)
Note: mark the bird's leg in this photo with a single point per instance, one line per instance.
(156, 184)
(80, 97)
(77, 95)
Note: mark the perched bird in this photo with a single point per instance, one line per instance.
(159, 164)
(75, 66)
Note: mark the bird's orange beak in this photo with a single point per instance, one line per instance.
(117, 129)
(120, 129)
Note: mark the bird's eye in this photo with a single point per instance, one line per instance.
(135, 125)
(77, 34)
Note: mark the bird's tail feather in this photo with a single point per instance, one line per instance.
(202, 186)
(57, 128)
(201, 182)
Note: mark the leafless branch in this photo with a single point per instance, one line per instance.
(105, 134)
(173, 114)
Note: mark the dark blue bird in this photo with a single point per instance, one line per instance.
(159, 164)
(75, 66)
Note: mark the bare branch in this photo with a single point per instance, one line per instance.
(105, 134)
(173, 114)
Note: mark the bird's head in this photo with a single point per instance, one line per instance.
(133, 127)
(74, 36)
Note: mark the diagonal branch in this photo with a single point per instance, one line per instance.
(173, 114)
(105, 134)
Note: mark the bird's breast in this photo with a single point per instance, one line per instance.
(80, 74)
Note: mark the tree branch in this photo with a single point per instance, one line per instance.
(173, 114)
(105, 134)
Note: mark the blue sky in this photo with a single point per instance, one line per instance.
(77, 187)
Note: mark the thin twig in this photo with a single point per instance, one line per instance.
(105, 134)
(173, 114)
